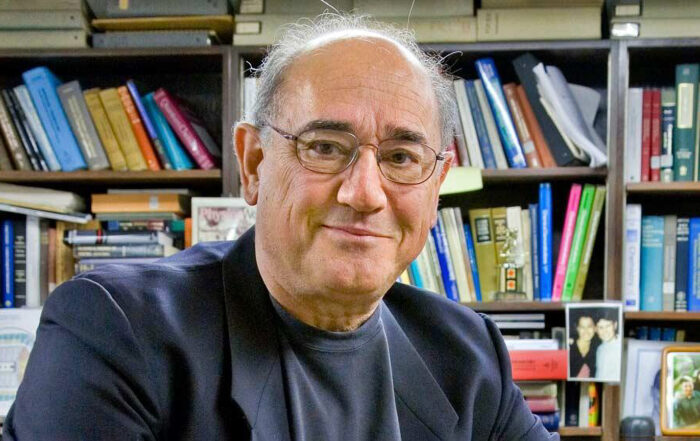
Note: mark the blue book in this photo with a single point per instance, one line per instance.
(535, 249)
(668, 334)
(642, 333)
(471, 254)
(480, 126)
(693, 261)
(652, 264)
(8, 265)
(550, 420)
(173, 148)
(545, 238)
(655, 333)
(488, 73)
(42, 83)
(414, 271)
(448, 274)
(158, 146)
(682, 259)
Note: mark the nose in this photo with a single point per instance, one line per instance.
(362, 186)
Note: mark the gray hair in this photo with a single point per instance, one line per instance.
(294, 40)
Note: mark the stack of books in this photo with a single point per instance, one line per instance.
(543, 122)
(501, 20)
(543, 400)
(655, 19)
(52, 126)
(43, 24)
(161, 23)
(661, 142)
(437, 21)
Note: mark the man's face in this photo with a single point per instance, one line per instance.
(606, 329)
(687, 388)
(585, 328)
(352, 233)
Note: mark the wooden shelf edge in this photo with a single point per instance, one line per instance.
(662, 315)
(514, 306)
(581, 431)
(542, 174)
(663, 187)
(111, 177)
(89, 52)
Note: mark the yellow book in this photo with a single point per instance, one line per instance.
(104, 129)
(65, 263)
(482, 232)
(122, 128)
(221, 24)
(499, 226)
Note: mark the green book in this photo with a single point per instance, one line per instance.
(687, 77)
(589, 242)
(484, 248)
(584, 214)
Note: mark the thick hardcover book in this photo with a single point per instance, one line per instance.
(148, 125)
(484, 245)
(122, 129)
(539, 365)
(668, 120)
(221, 24)
(583, 217)
(491, 129)
(552, 23)
(632, 263)
(647, 101)
(669, 269)
(42, 85)
(151, 8)
(43, 39)
(589, 242)
(545, 238)
(694, 264)
(445, 8)
(20, 262)
(98, 237)
(535, 249)
(682, 260)
(567, 236)
(32, 19)
(104, 130)
(471, 139)
(174, 38)
(139, 131)
(480, 126)
(633, 134)
(687, 78)
(139, 250)
(191, 132)
(71, 96)
(24, 132)
(8, 265)
(488, 73)
(572, 393)
(27, 106)
(464, 253)
(651, 263)
(560, 151)
(655, 141)
(542, 404)
(526, 142)
(177, 155)
(534, 129)
(140, 202)
(446, 265)
(19, 156)
(471, 253)
(550, 420)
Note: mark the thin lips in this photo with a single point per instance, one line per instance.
(357, 231)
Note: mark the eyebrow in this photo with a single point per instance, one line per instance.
(394, 132)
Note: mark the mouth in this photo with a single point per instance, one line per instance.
(357, 232)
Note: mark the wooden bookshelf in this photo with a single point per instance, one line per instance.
(664, 188)
(108, 177)
(662, 316)
(522, 175)
(581, 431)
(514, 306)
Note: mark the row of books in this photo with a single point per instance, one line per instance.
(661, 262)
(52, 126)
(661, 142)
(43, 23)
(655, 19)
(658, 333)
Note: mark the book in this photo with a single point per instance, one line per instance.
(41, 5)
(655, 137)
(133, 250)
(119, 121)
(694, 264)
(41, 198)
(19, 258)
(8, 265)
(139, 39)
(577, 242)
(104, 130)
(687, 78)
(449, 278)
(542, 404)
(538, 365)
(484, 247)
(544, 219)
(221, 24)
(499, 226)
(43, 39)
(99, 237)
(632, 262)
(26, 138)
(668, 120)
(148, 125)
(534, 129)
(480, 126)
(682, 260)
(25, 102)
(455, 254)
(572, 394)
(491, 130)
(494, 4)
(42, 84)
(535, 250)
(566, 239)
(527, 253)
(420, 8)
(550, 420)
(669, 268)
(531, 156)
(464, 252)
(471, 139)
(19, 156)
(651, 263)
(633, 134)
(164, 8)
(538, 389)
(589, 242)
(171, 145)
(36, 273)
(486, 68)
(137, 128)
(140, 202)
(28, 19)
(5, 162)
(555, 23)
(471, 253)
(71, 97)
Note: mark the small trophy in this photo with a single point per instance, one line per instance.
(510, 268)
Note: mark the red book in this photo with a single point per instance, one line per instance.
(535, 130)
(139, 131)
(539, 365)
(646, 133)
(541, 404)
(188, 129)
(655, 157)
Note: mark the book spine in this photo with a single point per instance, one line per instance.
(633, 134)
(535, 250)
(668, 119)
(20, 262)
(24, 132)
(538, 365)
(33, 267)
(646, 134)
(541, 404)
(480, 126)
(471, 138)
(491, 130)
(448, 275)
(534, 129)
(5, 162)
(173, 148)
(137, 127)
(545, 238)
(414, 273)
(589, 242)
(694, 265)
(139, 202)
(148, 125)
(669, 268)
(42, 88)
(488, 73)
(550, 421)
(572, 394)
(651, 266)
(434, 264)
(454, 253)
(527, 253)
(483, 237)
(184, 130)
(8, 267)
(687, 77)
(149, 250)
(551, 23)
(122, 129)
(96, 237)
(463, 252)
(12, 141)
(499, 226)
(104, 130)
(582, 219)
(528, 145)
(71, 97)
(655, 158)
(682, 260)
(25, 103)
(633, 250)
(471, 253)
(566, 239)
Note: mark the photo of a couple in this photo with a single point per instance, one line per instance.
(594, 341)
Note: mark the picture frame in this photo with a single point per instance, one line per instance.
(217, 219)
(594, 334)
(680, 390)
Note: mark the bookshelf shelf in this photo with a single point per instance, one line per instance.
(515, 175)
(87, 178)
(581, 431)
(515, 306)
(674, 188)
(662, 316)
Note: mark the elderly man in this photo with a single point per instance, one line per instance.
(297, 331)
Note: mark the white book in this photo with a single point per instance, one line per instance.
(520, 325)
(633, 247)
(41, 198)
(513, 222)
(25, 101)
(633, 135)
(527, 254)
(417, 8)
(250, 93)
(455, 254)
(532, 344)
(491, 129)
(531, 317)
(467, 120)
(36, 284)
(460, 136)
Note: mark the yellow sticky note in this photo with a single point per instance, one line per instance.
(462, 179)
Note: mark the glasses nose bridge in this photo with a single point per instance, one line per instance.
(374, 146)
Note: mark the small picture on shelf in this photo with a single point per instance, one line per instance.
(216, 219)
(594, 341)
(680, 391)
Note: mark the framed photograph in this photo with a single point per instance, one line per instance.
(217, 219)
(680, 390)
(594, 341)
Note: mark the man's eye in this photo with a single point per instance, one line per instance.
(400, 157)
(325, 148)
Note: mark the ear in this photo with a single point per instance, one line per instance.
(447, 163)
(246, 141)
